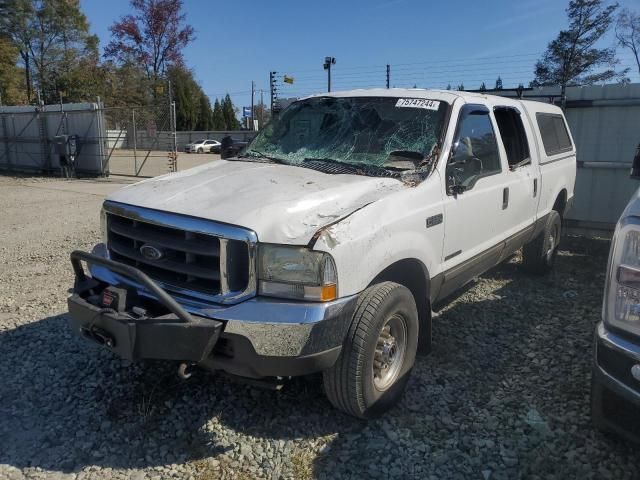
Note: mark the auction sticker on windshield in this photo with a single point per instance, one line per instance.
(418, 103)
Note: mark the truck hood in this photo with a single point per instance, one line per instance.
(282, 204)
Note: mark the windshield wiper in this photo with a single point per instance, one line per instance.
(333, 162)
(347, 167)
(255, 154)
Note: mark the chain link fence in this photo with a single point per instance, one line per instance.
(130, 141)
(139, 141)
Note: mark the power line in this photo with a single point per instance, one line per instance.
(447, 60)
(422, 73)
(241, 92)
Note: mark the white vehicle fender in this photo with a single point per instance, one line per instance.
(374, 237)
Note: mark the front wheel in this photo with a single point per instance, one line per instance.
(540, 253)
(200, 150)
(378, 354)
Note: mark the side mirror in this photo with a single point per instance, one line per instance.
(456, 189)
(635, 166)
(454, 147)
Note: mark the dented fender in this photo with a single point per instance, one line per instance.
(373, 237)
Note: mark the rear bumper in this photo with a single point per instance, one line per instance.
(259, 337)
(615, 393)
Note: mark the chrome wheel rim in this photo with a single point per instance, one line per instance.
(389, 352)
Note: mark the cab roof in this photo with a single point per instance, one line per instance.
(448, 96)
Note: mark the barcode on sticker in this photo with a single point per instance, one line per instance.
(418, 103)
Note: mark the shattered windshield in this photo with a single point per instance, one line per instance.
(366, 132)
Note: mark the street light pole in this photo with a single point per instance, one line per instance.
(253, 89)
(328, 61)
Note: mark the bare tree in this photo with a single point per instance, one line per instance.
(154, 36)
(628, 32)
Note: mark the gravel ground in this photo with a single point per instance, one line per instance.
(123, 162)
(505, 393)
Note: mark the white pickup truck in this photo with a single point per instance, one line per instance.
(325, 245)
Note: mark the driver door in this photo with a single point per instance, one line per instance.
(477, 194)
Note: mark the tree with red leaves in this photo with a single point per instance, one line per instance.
(154, 36)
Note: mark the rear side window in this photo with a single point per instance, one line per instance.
(554, 133)
(513, 135)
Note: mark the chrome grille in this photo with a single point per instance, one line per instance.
(197, 258)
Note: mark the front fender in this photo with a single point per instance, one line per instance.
(384, 232)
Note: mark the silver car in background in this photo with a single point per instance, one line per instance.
(203, 146)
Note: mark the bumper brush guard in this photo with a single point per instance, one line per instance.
(132, 333)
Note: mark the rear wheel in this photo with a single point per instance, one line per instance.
(538, 256)
(378, 354)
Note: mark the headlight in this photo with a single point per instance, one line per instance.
(297, 273)
(622, 291)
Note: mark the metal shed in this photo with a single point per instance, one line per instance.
(27, 133)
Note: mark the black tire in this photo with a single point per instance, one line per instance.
(425, 334)
(540, 253)
(200, 150)
(350, 384)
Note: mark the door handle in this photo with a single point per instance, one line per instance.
(535, 187)
(505, 198)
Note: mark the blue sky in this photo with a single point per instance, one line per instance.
(427, 43)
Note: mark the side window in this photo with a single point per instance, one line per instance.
(554, 133)
(513, 136)
(475, 150)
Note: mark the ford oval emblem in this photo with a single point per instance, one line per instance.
(150, 252)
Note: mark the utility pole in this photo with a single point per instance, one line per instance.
(273, 87)
(253, 91)
(170, 98)
(261, 109)
(328, 61)
(388, 74)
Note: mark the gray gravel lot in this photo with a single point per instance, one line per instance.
(151, 163)
(505, 393)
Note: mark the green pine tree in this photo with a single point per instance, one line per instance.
(205, 115)
(229, 113)
(186, 93)
(573, 57)
(218, 116)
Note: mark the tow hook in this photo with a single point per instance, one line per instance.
(99, 336)
(185, 370)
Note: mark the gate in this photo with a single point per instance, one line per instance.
(140, 141)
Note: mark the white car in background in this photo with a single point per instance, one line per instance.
(203, 146)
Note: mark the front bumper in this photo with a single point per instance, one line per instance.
(259, 337)
(615, 392)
